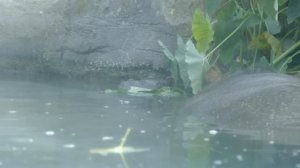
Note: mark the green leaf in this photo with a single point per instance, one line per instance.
(286, 53)
(172, 62)
(227, 11)
(197, 65)
(259, 42)
(267, 41)
(281, 2)
(222, 31)
(180, 58)
(212, 6)
(293, 10)
(272, 25)
(263, 63)
(253, 20)
(282, 66)
(269, 7)
(239, 13)
(227, 54)
(274, 43)
(202, 31)
(166, 51)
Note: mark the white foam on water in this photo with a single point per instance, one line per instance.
(69, 145)
(50, 133)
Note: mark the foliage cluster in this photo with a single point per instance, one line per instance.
(232, 34)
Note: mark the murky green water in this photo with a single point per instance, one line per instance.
(56, 127)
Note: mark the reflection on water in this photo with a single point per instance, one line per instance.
(211, 146)
(46, 126)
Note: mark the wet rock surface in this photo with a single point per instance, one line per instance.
(84, 37)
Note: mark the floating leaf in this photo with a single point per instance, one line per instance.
(162, 92)
(197, 65)
(134, 89)
(202, 31)
(121, 149)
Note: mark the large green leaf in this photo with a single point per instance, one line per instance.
(180, 58)
(202, 31)
(293, 10)
(166, 51)
(270, 8)
(197, 65)
(172, 62)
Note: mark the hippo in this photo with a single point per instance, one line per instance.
(261, 105)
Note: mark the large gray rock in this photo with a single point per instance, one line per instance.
(77, 37)
(265, 106)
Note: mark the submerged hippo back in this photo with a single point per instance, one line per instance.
(250, 102)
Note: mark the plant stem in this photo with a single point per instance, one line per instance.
(223, 41)
(283, 9)
(256, 50)
(298, 66)
(278, 59)
(124, 138)
(288, 33)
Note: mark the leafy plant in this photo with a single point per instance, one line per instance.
(188, 66)
(247, 32)
(231, 34)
